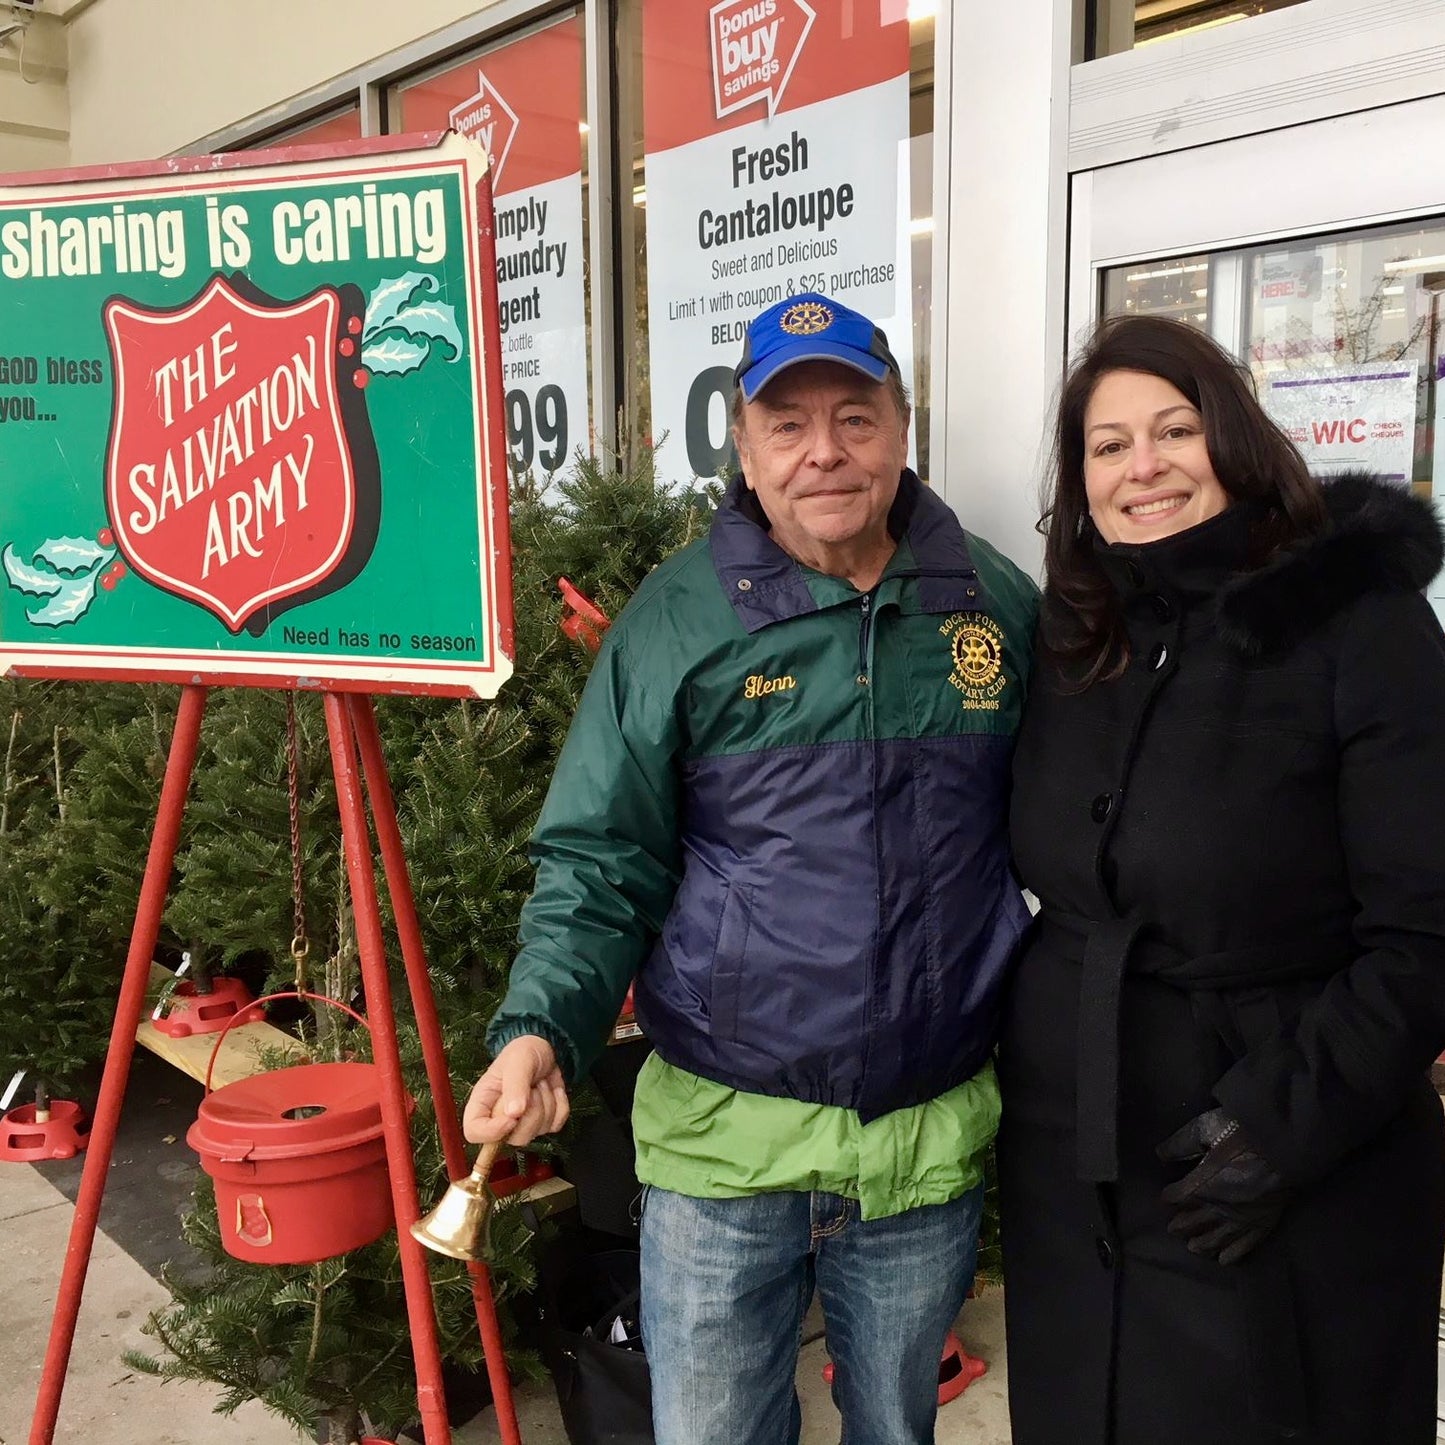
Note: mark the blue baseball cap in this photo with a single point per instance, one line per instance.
(810, 327)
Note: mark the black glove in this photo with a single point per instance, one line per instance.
(1231, 1199)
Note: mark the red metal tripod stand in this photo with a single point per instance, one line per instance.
(351, 726)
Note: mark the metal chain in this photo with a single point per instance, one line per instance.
(300, 946)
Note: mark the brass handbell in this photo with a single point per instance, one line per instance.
(460, 1225)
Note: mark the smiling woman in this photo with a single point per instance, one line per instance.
(1155, 410)
(1147, 471)
(1214, 1051)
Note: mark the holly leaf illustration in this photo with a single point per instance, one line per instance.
(390, 297)
(26, 578)
(69, 604)
(433, 319)
(64, 571)
(73, 554)
(394, 355)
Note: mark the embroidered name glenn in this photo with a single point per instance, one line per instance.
(759, 686)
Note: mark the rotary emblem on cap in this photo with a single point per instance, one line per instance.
(807, 318)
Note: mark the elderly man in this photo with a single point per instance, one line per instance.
(781, 810)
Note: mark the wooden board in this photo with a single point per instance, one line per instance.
(546, 1196)
(240, 1052)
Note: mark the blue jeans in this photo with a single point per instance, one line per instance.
(725, 1285)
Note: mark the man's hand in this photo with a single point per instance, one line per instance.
(520, 1096)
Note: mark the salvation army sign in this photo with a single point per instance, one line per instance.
(252, 422)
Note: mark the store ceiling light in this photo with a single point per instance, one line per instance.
(921, 226)
(639, 196)
(1191, 29)
(920, 10)
(1167, 271)
(1416, 263)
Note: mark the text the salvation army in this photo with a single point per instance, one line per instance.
(249, 423)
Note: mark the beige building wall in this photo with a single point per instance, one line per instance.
(149, 77)
(34, 110)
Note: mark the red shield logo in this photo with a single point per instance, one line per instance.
(230, 479)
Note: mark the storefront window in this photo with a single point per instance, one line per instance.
(523, 101)
(772, 154)
(1178, 287)
(1113, 26)
(1342, 336)
(315, 130)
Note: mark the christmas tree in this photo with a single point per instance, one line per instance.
(77, 797)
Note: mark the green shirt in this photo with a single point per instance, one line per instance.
(700, 1138)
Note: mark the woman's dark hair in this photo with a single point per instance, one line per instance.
(1082, 622)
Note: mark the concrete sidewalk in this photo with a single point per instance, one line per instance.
(104, 1400)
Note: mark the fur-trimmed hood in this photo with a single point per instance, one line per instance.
(1380, 537)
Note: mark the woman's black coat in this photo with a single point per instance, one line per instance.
(1239, 847)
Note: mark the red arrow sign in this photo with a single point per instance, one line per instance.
(487, 119)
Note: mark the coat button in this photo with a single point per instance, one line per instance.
(1101, 807)
(1163, 607)
(1158, 657)
(1106, 1252)
(1135, 573)
(744, 585)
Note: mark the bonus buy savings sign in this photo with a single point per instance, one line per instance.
(250, 423)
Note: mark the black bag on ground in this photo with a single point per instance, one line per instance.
(600, 1159)
(591, 1342)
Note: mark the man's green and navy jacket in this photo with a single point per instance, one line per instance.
(781, 808)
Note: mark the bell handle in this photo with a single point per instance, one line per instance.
(486, 1158)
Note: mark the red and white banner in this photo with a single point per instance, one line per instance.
(523, 103)
(776, 134)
